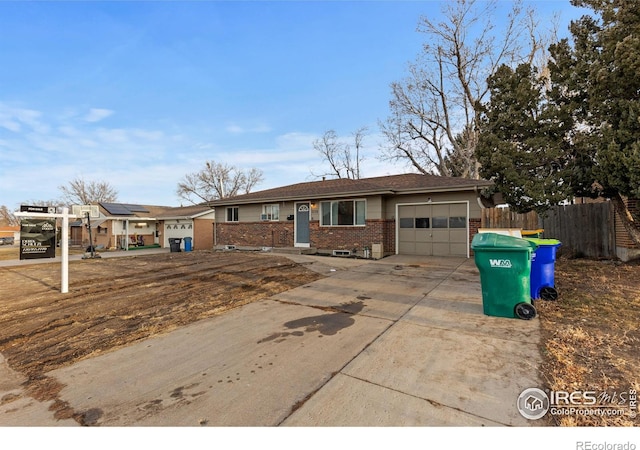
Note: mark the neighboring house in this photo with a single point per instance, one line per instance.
(195, 222)
(11, 233)
(124, 226)
(406, 214)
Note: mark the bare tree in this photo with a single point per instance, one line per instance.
(81, 192)
(7, 218)
(343, 159)
(217, 180)
(435, 109)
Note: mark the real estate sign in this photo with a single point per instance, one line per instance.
(38, 209)
(37, 238)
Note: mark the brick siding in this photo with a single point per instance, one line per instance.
(203, 234)
(353, 238)
(281, 234)
(255, 234)
(474, 225)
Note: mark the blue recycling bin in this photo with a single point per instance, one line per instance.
(543, 263)
(187, 244)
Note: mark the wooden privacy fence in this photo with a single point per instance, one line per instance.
(505, 218)
(585, 230)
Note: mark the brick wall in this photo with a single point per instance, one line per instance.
(350, 238)
(281, 234)
(389, 246)
(255, 234)
(474, 224)
(202, 234)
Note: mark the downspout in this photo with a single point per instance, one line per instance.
(477, 191)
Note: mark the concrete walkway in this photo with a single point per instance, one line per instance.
(396, 342)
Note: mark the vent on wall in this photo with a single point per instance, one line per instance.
(342, 253)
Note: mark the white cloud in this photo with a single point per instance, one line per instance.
(13, 118)
(234, 128)
(9, 124)
(296, 140)
(97, 114)
(144, 165)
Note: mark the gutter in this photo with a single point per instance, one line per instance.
(231, 201)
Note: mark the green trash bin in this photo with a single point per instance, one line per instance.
(504, 263)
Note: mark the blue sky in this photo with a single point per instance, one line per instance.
(141, 93)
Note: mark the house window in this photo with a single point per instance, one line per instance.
(271, 212)
(232, 214)
(343, 212)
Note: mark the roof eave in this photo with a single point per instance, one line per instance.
(232, 201)
(189, 216)
(290, 198)
(442, 189)
(131, 218)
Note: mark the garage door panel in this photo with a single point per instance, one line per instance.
(440, 235)
(407, 234)
(406, 211)
(407, 248)
(433, 229)
(440, 210)
(423, 235)
(423, 248)
(423, 210)
(441, 249)
(458, 249)
(457, 235)
(458, 209)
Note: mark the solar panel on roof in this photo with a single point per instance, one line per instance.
(136, 208)
(117, 209)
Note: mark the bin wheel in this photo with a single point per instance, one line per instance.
(548, 293)
(525, 311)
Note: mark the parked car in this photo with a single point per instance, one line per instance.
(6, 241)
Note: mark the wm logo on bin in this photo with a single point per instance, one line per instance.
(501, 263)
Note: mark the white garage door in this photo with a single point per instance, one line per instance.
(433, 229)
(175, 229)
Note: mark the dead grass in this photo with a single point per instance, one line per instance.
(591, 339)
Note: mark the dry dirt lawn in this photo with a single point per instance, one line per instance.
(590, 336)
(116, 301)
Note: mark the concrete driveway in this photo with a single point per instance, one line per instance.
(396, 342)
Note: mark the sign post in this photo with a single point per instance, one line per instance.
(47, 212)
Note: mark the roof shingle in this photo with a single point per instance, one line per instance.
(391, 184)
